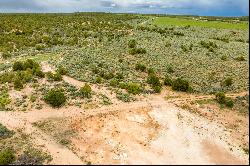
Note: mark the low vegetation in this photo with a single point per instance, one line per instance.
(223, 100)
(54, 77)
(5, 133)
(22, 73)
(133, 88)
(180, 84)
(4, 97)
(86, 91)
(155, 83)
(125, 97)
(17, 149)
(7, 157)
(55, 97)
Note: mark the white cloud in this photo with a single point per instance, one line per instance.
(128, 5)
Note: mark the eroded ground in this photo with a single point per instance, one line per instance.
(156, 134)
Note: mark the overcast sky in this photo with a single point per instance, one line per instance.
(195, 7)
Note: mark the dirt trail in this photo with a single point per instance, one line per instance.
(46, 67)
(203, 97)
(73, 111)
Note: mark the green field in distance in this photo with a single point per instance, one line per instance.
(161, 21)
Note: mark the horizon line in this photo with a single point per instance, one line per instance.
(121, 13)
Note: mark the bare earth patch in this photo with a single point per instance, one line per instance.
(156, 134)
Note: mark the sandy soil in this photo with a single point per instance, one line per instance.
(155, 132)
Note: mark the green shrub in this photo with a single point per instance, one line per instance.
(209, 44)
(184, 48)
(211, 50)
(6, 55)
(228, 82)
(167, 44)
(134, 51)
(220, 97)
(191, 46)
(123, 97)
(141, 51)
(120, 60)
(119, 76)
(240, 58)
(114, 82)
(55, 97)
(224, 58)
(50, 75)
(57, 77)
(6, 157)
(95, 70)
(123, 85)
(132, 44)
(4, 98)
(64, 141)
(108, 76)
(4, 132)
(7, 77)
(178, 33)
(151, 71)
(224, 39)
(168, 81)
(181, 85)
(18, 66)
(102, 73)
(157, 88)
(33, 98)
(54, 77)
(133, 88)
(62, 71)
(229, 103)
(39, 73)
(30, 64)
(26, 76)
(98, 80)
(140, 67)
(18, 84)
(85, 91)
(170, 69)
(40, 47)
(153, 80)
(246, 150)
(105, 100)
